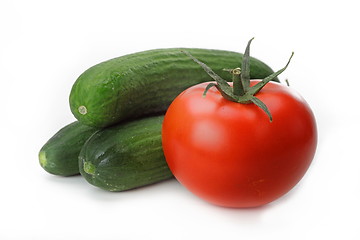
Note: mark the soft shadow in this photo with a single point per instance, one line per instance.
(70, 181)
(99, 194)
(170, 187)
(240, 215)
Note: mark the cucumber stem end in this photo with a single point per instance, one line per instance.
(89, 168)
(42, 158)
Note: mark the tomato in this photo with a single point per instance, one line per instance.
(230, 154)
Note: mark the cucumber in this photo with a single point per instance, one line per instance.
(145, 83)
(59, 155)
(125, 156)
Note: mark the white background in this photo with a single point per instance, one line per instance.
(46, 45)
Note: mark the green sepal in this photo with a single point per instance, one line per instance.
(245, 71)
(210, 85)
(224, 85)
(256, 88)
(262, 105)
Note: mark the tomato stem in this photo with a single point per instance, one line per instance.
(241, 91)
(238, 86)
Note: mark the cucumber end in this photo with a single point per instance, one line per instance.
(82, 110)
(42, 158)
(89, 168)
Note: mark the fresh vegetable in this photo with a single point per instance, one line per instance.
(125, 156)
(240, 145)
(145, 83)
(60, 153)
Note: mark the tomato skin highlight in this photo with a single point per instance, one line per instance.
(230, 154)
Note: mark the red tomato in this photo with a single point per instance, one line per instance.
(230, 154)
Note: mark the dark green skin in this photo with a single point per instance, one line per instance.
(125, 156)
(147, 82)
(59, 155)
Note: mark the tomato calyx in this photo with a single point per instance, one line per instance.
(241, 92)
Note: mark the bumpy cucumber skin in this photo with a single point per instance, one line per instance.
(125, 156)
(147, 82)
(59, 155)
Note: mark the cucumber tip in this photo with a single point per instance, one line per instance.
(89, 168)
(82, 110)
(42, 158)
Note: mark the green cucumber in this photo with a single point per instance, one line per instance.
(125, 156)
(145, 83)
(59, 155)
